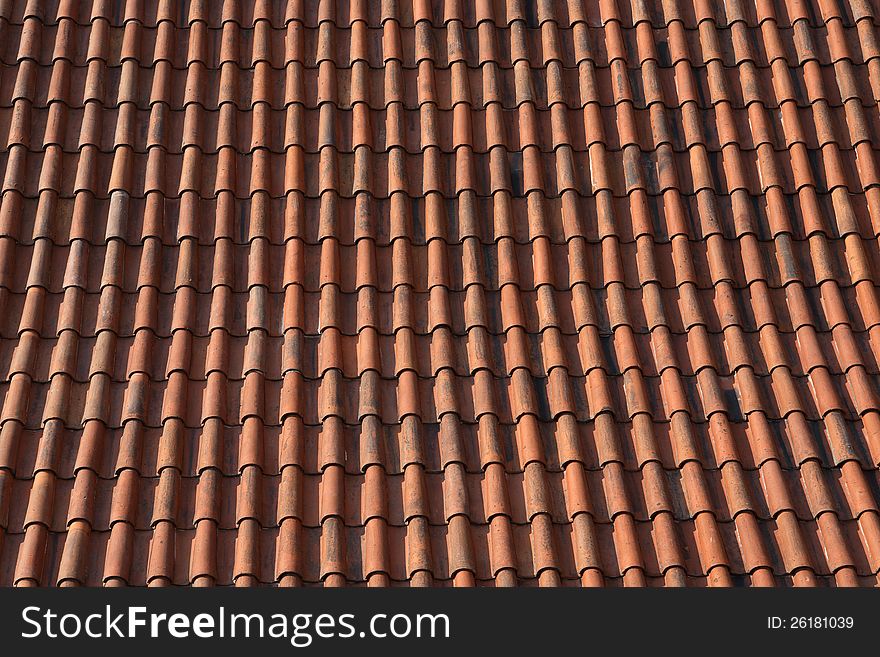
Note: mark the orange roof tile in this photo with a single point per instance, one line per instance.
(432, 292)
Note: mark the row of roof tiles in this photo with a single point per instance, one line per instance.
(412, 46)
(498, 12)
(582, 221)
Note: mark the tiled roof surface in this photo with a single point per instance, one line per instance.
(429, 293)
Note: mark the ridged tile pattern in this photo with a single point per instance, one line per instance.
(432, 293)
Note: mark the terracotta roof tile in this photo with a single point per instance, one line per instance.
(439, 293)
